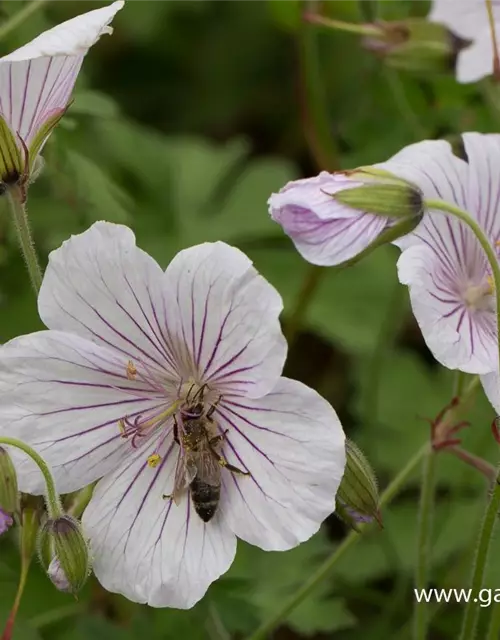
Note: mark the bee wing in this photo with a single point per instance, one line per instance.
(209, 469)
(185, 472)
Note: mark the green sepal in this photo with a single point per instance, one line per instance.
(358, 497)
(11, 158)
(43, 133)
(390, 199)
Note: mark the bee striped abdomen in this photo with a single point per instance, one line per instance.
(205, 499)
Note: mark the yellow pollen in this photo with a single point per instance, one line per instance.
(154, 460)
(131, 370)
(121, 427)
(497, 243)
(491, 283)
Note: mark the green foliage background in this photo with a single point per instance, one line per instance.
(183, 123)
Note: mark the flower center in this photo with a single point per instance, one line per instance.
(191, 397)
(479, 297)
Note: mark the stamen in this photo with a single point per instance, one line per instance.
(131, 370)
(154, 460)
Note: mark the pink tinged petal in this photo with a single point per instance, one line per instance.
(64, 395)
(100, 286)
(466, 18)
(146, 547)
(459, 338)
(6, 521)
(292, 443)
(39, 77)
(227, 315)
(491, 386)
(324, 232)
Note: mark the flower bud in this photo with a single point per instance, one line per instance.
(64, 553)
(357, 497)
(416, 45)
(6, 521)
(9, 494)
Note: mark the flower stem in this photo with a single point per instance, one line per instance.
(340, 25)
(494, 41)
(317, 120)
(9, 627)
(447, 207)
(53, 503)
(309, 286)
(22, 15)
(494, 628)
(18, 208)
(421, 617)
(321, 573)
(472, 608)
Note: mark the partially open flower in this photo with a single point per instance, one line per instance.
(36, 82)
(468, 19)
(334, 217)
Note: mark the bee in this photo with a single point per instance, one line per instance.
(199, 465)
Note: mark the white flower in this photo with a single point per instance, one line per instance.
(36, 82)
(130, 348)
(469, 20)
(446, 269)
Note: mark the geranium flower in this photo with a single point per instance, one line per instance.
(450, 283)
(36, 82)
(6, 521)
(468, 19)
(133, 351)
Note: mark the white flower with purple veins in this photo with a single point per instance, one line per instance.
(324, 231)
(36, 82)
(451, 287)
(167, 384)
(468, 19)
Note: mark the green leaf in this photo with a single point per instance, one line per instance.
(94, 103)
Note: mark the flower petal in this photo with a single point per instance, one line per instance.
(64, 395)
(227, 315)
(324, 231)
(147, 548)
(38, 78)
(292, 443)
(476, 61)
(466, 18)
(491, 386)
(459, 338)
(100, 286)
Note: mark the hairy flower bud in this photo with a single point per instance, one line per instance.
(357, 497)
(64, 553)
(9, 494)
(416, 45)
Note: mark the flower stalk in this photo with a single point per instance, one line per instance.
(17, 202)
(54, 507)
(424, 545)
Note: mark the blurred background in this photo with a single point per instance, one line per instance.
(183, 123)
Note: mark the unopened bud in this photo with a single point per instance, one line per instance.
(357, 496)
(6, 521)
(62, 541)
(9, 493)
(416, 45)
(383, 194)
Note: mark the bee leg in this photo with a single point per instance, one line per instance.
(217, 439)
(213, 408)
(176, 431)
(224, 463)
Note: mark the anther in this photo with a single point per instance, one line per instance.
(131, 370)
(154, 460)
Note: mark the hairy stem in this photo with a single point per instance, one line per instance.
(21, 223)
